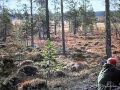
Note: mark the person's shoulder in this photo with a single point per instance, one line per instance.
(109, 68)
(106, 65)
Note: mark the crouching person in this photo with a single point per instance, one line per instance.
(109, 76)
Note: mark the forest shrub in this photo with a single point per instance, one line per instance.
(49, 53)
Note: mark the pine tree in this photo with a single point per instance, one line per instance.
(6, 23)
(108, 30)
(63, 32)
(31, 11)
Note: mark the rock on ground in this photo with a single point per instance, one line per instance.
(28, 70)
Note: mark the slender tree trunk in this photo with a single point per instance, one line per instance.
(63, 32)
(55, 17)
(69, 26)
(55, 28)
(27, 42)
(5, 32)
(85, 25)
(108, 30)
(39, 33)
(43, 32)
(31, 10)
(75, 26)
(47, 20)
(4, 24)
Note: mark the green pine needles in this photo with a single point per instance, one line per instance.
(50, 54)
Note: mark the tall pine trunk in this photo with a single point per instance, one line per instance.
(108, 30)
(63, 32)
(85, 16)
(47, 20)
(31, 10)
(55, 27)
(39, 33)
(69, 26)
(75, 26)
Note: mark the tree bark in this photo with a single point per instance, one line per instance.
(75, 26)
(85, 25)
(55, 28)
(31, 10)
(47, 20)
(63, 32)
(108, 30)
(39, 33)
(69, 26)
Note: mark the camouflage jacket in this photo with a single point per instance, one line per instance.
(109, 78)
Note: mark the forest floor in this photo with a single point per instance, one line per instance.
(84, 53)
(93, 50)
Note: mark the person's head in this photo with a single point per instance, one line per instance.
(112, 61)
